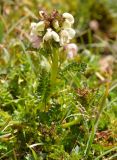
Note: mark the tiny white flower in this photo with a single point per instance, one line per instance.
(64, 37)
(69, 17)
(66, 24)
(51, 35)
(71, 32)
(48, 35)
(37, 28)
(40, 26)
(55, 36)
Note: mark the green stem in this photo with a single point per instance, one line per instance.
(106, 152)
(53, 76)
(69, 124)
(54, 68)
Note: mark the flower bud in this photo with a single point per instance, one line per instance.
(71, 32)
(41, 13)
(56, 24)
(69, 17)
(48, 35)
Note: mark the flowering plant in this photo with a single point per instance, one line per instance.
(53, 27)
(53, 34)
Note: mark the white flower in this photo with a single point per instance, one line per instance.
(40, 26)
(66, 35)
(55, 36)
(69, 17)
(48, 35)
(62, 34)
(37, 28)
(71, 32)
(51, 35)
(66, 24)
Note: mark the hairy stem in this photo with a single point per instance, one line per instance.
(54, 68)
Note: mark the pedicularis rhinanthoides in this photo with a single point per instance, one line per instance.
(53, 33)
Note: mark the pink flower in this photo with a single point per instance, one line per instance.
(72, 50)
(35, 40)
